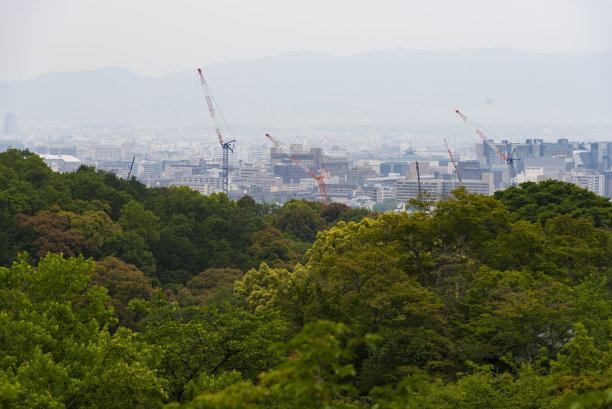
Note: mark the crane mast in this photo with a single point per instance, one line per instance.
(318, 178)
(226, 146)
(131, 167)
(508, 159)
(418, 177)
(452, 159)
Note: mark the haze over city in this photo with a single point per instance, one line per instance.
(153, 38)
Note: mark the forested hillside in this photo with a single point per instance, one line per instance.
(114, 295)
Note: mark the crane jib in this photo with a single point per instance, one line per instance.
(226, 146)
(318, 178)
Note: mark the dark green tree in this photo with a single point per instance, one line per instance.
(200, 341)
(300, 222)
(540, 201)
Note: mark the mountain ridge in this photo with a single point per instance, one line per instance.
(303, 88)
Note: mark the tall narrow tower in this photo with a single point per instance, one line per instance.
(10, 124)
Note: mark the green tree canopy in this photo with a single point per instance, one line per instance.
(205, 340)
(300, 222)
(540, 201)
(55, 349)
(124, 283)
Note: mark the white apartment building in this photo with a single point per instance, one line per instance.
(593, 182)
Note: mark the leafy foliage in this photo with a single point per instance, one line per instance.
(206, 340)
(475, 301)
(56, 350)
(124, 283)
(541, 201)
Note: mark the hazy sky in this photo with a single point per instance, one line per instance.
(154, 37)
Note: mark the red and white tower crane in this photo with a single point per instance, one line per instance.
(227, 146)
(509, 159)
(318, 178)
(452, 159)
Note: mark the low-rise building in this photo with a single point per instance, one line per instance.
(61, 163)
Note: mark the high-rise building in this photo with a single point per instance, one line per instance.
(10, 124)
(595, 182)
(394, 167)
(107, 153)
(284, 166)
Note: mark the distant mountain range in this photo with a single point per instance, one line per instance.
(305, 89)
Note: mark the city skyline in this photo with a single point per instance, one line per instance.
(359, 176)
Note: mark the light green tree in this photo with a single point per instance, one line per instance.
(55, 348)
(264, 288)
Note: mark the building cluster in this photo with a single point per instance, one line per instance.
(358, 175)
(499, 165)
(586, 164)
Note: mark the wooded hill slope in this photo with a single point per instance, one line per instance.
(136, 297)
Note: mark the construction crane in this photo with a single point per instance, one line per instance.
(131, 167)
(453, 160)
(227, 146)
(318, 178)
(418, 177)
(508, 159)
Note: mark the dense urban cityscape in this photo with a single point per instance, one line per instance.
(363, 175)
